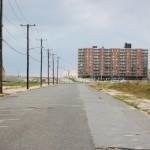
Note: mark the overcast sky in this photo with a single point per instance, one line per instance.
(71, 24)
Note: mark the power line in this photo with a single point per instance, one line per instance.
(13, 9)
(17, 51)
(20, 19)
(12, 48)
(12, 23)
(23, 17)
(34, 48)
(11, 35)
(20, 11)
(8, 19)
(34, 59)
(20, 14)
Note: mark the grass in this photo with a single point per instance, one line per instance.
(121, 97)
(19, 84)
(125, 99)
(138, 88)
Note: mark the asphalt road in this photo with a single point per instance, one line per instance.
(70, 117)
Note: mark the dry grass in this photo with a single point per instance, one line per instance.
(125, 99)
(138, 88)
(19, 84)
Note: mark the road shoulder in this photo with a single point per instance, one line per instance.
(113, 123)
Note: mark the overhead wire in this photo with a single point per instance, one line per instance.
(8, 20)
(10, 34)
(14, 11)
(35, 59)
(17, 51)
(12, 48)
(20, 11)
(23, 16)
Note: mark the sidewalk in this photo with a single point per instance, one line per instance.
(113, 123)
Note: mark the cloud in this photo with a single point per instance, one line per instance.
(71, 24)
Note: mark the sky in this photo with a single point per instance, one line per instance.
(68, 25)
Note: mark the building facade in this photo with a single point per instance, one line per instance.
(114, 63)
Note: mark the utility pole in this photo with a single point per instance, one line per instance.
(1, 46)
(53, 68)
(57, 69)
(41, 70)
(68, 73)
(41, 66)
(28, 47)
(48, 64)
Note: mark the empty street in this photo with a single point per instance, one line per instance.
(70, 117)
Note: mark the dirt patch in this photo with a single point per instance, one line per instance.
(8, 90)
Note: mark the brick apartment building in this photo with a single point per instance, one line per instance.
(113, 63)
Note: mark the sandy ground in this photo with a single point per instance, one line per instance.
(8, 90)
(142, 104)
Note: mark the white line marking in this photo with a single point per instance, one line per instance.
(63, 105)
(27, 109)
(7, 114)
(9, 120)
(4, 110)
(138, 148)
(129, 135)
(3, 126)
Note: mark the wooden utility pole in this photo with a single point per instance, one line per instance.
(41, 64)
(57, 69)
(28, 47)
(1, 46)
(41, 70)
(48, 65)
(53, 68)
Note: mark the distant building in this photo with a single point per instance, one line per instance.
(113, 63)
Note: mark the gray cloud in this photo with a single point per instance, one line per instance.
(70, 24)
